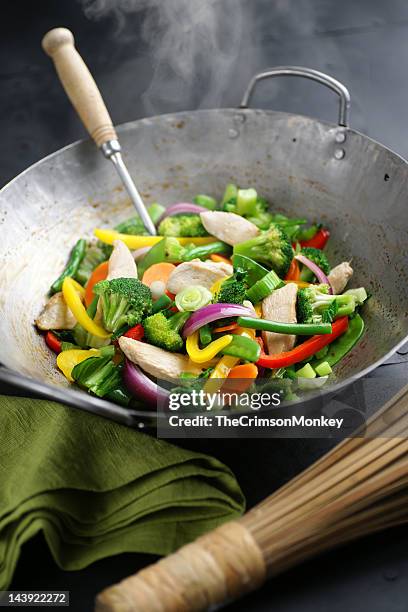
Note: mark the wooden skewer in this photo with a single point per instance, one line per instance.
(358, 488)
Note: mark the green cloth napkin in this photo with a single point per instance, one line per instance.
(96, 488)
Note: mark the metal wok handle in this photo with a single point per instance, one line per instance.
(307, 73)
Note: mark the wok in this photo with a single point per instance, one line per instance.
(306, 167)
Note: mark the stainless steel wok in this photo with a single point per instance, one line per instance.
(303, 166)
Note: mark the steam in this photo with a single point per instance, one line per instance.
(194, 46)
(202, 53)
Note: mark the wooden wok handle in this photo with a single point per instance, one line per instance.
(219, 566)
(79, 84)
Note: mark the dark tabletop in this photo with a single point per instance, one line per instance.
(363, 43)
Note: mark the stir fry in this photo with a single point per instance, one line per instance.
(226, 290)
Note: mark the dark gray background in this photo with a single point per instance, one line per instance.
(364, 43)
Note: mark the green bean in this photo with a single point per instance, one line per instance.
(77, 255)
(299, 329)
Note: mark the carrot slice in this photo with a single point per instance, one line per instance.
(158, 272)
(218, 330)
(293, 272)
(246, 370)
(99, 274)
(220, 258)
(240, 378)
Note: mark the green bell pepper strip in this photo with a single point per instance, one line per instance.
(205, 335)
(299, 329)
(255, 271)
(343, 345)
(77, 255)
(156, 254)
(244, 348)
(204, 200)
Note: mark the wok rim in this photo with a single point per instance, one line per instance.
(77, 398)
(122, 126)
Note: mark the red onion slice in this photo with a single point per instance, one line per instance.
(141, 386)
(181, 208)
(213, 312)
(318, 272)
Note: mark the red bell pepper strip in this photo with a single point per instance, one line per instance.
(136, 332)
(53, 342)
(304, 350)
(318, 241)
(293, 272)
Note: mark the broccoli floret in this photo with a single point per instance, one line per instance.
(316, 305)
(319, 258)
(164, 332)
(99, 375)
(125, 301)
(134, 225)
(182, 226)
(271, 247)
(233, 290)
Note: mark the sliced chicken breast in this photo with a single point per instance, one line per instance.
(197, 272)
(121, 262)
(228, 227)
(56, 314)
(280, 306)
(156, 361)
(340, 276)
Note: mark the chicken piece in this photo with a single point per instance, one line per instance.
(228, 227)
(156, 361)
(340, 276)
(280, 306)
(121, 262)
(197, 272)
(56, 314)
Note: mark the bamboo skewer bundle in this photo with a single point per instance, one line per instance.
(358, 488)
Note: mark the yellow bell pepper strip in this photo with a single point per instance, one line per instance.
(79, 288)
(211, 350)
(67, 360)
(299, 283)
(207, 364)
(258, 309)
(108, 236)
(220, 373)
(70, 291)
(225, 364)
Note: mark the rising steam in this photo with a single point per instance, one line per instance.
(194, 46)
(202, 53)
